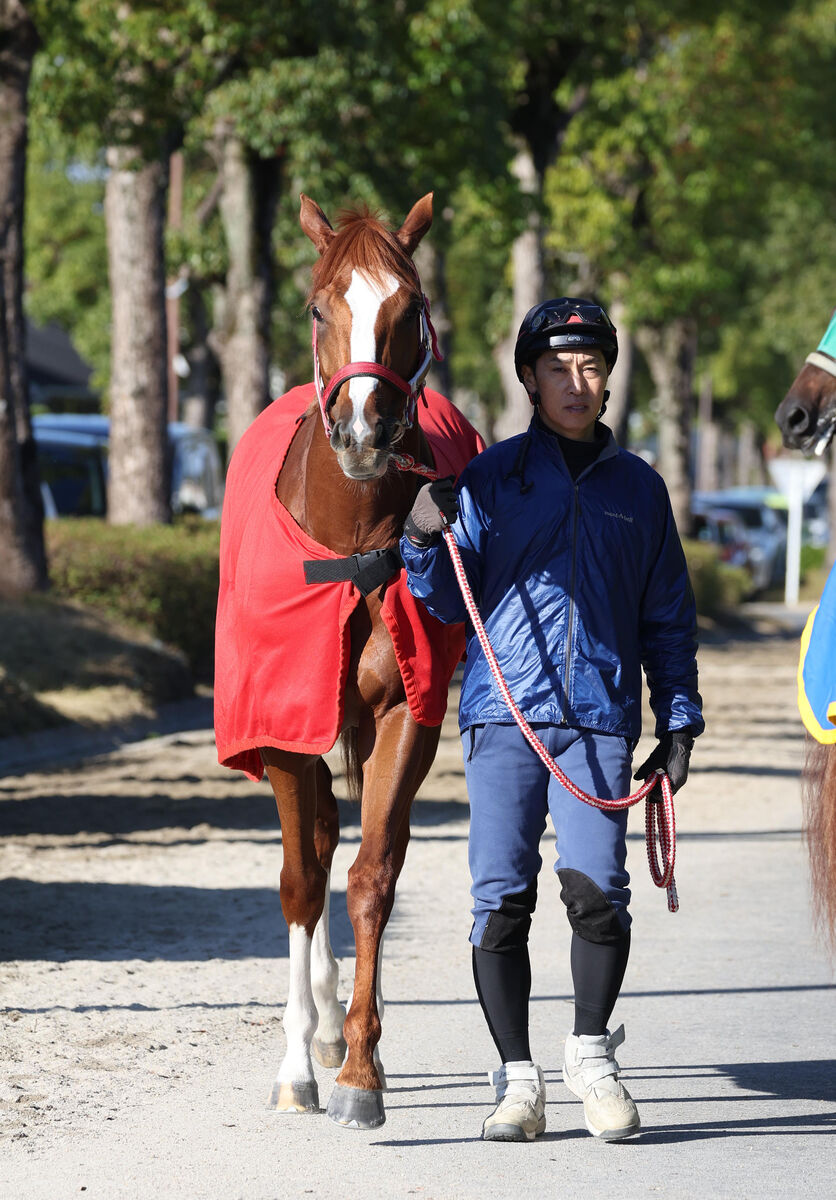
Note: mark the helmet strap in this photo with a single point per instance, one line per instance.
(603, 407)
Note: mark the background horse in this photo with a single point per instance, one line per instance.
(318, 637)
(807, 419)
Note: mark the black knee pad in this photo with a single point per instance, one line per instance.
(508, 926)
(590, 913)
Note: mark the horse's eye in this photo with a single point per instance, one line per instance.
(317, 315)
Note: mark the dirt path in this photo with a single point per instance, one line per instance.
(143, 967)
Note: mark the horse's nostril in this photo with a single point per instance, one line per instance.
(339, 439)
(798, 419)
(380, 438)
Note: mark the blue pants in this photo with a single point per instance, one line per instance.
(511, 792)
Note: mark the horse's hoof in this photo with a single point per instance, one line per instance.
(356, 1108)
(294, 1098)
(329, 1054)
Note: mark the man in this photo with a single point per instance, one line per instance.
(572, 553)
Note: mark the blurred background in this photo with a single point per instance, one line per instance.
(675, 161)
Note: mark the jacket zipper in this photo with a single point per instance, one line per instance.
(571, 630)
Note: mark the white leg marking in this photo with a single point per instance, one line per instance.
(300, 1013)
(325, 977)
(364, 298)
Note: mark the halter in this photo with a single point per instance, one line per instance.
(823, 361)
(411, 388)
(824, 355)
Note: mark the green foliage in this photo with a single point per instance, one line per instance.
(698, 182)
(717, 587)
(657, 186)
(813, 558)
(138, 72)
(66, 279)
(484, 224)
(163, 579)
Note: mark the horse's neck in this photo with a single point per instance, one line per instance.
(348, 516)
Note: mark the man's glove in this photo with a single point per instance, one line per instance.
(435, 506)
(672, 754)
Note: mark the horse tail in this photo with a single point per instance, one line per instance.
(351, 763)
(819, 795)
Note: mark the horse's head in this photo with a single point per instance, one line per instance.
(371, 339)
(807, 414)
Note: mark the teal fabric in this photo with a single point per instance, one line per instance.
(828, 343)
(817, 683)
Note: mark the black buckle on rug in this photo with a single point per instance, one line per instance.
(366, 571)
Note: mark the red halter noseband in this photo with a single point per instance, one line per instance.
(411, 388)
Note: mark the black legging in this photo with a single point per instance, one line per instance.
(503, 984)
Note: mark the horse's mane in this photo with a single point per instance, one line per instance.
(364, 243)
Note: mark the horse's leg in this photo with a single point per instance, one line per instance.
(402, 755)
(303, 882)
(328, 1041)
(400, 854)
(378, 997)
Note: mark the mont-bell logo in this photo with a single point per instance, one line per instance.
(608, 512)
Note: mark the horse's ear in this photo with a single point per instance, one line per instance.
(418, 221)
(315, 223)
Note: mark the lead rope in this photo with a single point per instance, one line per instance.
(659, 816)
(659, 825)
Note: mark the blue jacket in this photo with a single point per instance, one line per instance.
(579, 585)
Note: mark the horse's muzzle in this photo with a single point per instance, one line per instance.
(805, 425)
(364, 454)
(797, 421)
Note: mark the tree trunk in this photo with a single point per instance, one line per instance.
(431, 262)
(620, 382)
(22, 552)
(528, 285)
(749, 468)
(204, 376)
(138, 485)
(241, 335)
(670, 352)
(708, 444)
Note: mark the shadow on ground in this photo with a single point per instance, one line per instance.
(113, 922)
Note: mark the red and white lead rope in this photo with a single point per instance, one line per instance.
(660, 820)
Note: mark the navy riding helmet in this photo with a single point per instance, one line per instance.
(565, 324)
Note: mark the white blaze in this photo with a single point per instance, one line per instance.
(364, 298)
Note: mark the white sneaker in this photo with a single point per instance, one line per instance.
(591, 1072)
(520, 1113)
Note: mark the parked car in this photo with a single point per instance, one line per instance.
(724, 529)
(72, 454)
(762, 529)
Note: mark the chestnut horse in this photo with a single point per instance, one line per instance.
(807, 419)
(343, 485)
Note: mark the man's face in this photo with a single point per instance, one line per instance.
(571, 386)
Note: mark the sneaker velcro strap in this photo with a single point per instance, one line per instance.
(592, 1072)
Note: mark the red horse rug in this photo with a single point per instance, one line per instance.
(282, 646)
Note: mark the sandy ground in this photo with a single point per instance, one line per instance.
(143, 968)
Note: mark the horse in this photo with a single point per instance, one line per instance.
(318, 638)
(807, 414)
(807, 419)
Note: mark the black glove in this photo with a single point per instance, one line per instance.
(435, 506)
(672, 754)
